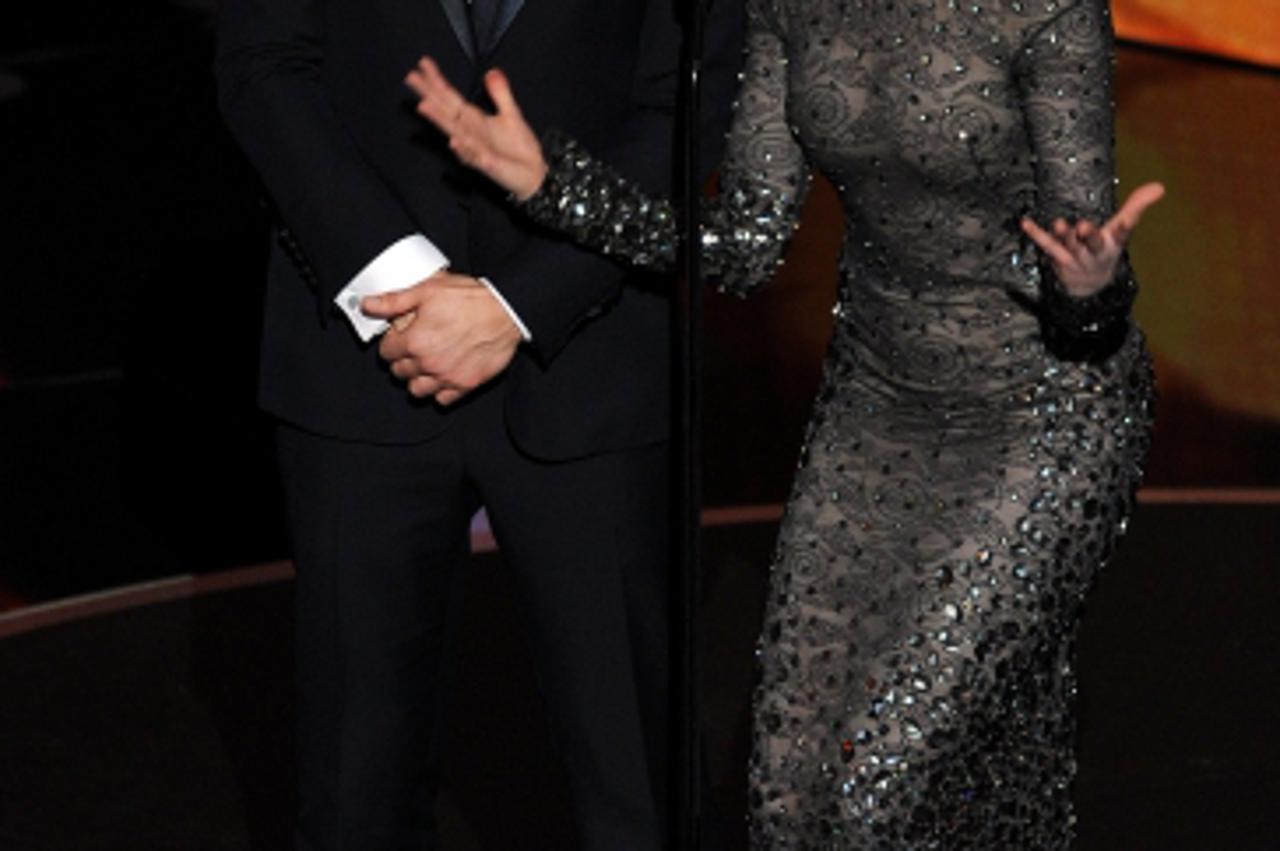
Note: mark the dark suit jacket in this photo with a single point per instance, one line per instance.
(314, 92)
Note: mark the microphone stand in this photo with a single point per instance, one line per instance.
(688, 409)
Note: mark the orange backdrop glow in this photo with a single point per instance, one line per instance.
(1239, 29)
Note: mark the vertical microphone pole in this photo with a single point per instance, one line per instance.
(688, 815)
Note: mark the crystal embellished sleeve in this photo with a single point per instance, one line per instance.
(1064, 72)
(745, 228)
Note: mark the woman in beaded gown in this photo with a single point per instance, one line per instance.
(984, 411)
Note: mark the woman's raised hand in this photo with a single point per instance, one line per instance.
(1084, 255)
(502, 146)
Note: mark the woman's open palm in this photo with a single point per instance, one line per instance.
(502, 145)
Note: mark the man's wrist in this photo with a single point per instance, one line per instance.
(402, 264)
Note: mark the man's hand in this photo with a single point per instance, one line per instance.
(448, 335)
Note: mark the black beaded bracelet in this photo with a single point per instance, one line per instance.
(1090, 327)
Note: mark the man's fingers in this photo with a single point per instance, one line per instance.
(423, 386)
(449, 396)
(406, 368)
(1047, 242)
(394, 346)
(404, 320)
(389, 305)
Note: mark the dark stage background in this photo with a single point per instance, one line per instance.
(131, 252)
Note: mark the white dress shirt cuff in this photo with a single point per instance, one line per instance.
(402, 264)
(511, 311)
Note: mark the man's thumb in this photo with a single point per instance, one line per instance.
(382, 306)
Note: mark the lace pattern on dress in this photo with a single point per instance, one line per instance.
(974, 449)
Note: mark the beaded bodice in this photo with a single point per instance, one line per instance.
(934, 120)
(939, 122)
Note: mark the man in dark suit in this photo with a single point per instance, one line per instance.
(537, 386)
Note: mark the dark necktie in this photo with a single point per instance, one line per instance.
(484, 21)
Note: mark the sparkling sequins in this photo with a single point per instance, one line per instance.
(978, 434)
(742, 238)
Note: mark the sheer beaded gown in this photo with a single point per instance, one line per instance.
(979, 433)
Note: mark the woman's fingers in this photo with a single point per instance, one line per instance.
(499, 89)
(463, 122)
(1047, 242)
(1090, 236)
(1065, 233)
(1069, 243)
(1130, 213)
(1072, 241)
(501, 144)
(424, 78)
(1085, 254)
(438, 102)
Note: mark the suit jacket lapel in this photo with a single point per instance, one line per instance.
(506, 13)
(460, 19)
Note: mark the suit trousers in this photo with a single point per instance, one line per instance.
(380, 533)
